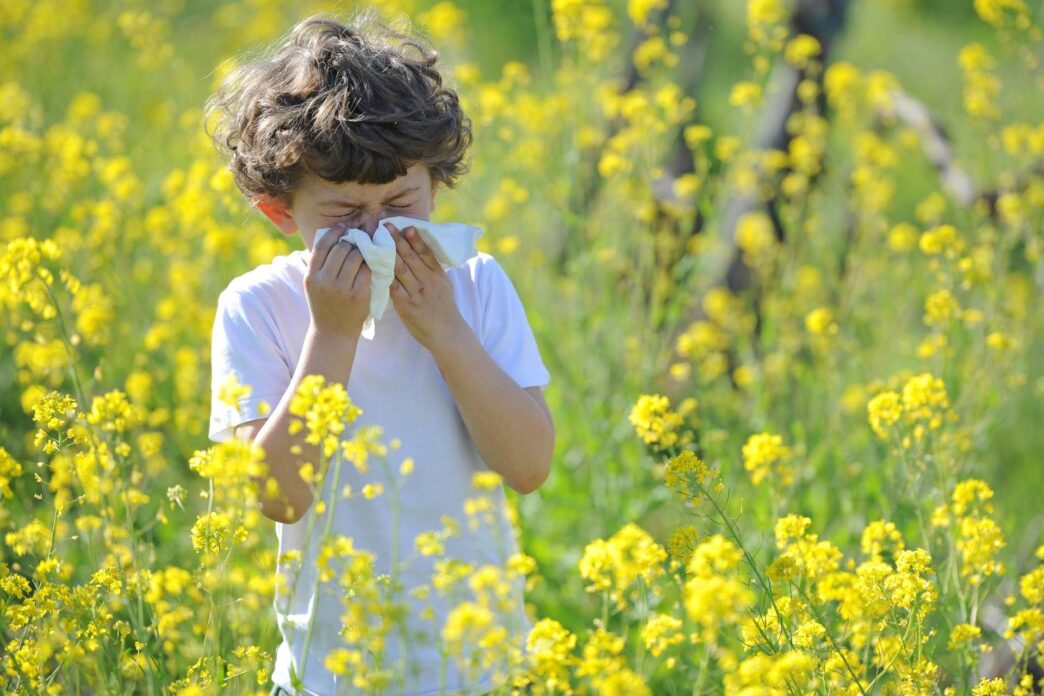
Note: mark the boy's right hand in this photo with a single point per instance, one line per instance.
(338, 286)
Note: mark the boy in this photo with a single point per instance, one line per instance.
(341, 126)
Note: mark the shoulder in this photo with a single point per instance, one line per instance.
(482, 270)
(267, 285)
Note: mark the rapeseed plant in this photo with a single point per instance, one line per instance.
(838, 533)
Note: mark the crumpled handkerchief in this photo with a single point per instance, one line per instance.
(452, 243)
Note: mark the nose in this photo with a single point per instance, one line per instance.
(368, 222)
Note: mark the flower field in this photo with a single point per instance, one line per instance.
(784, 261)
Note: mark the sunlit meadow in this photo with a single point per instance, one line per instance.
(783, 264)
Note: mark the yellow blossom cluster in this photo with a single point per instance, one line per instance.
(324, 410)
(923, 405)
(977, 535)
(613, 565)
(684, 470)
(764, 455)
(587, 22)
(111, 258)
(981, 85)
(657, 424)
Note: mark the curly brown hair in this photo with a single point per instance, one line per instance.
(344, 101)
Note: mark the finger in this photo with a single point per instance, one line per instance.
(350, 267)
(362, 277)
(334, 260)
(399, 291)
(405, 261)
(321, 250)
(404, 250)
(405, 275)
(423, 251)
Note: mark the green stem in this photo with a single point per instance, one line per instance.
(750, 561)
(326, 532)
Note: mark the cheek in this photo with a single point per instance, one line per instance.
(418, 210)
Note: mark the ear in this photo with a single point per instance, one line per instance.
(434, 190)
(276, 210)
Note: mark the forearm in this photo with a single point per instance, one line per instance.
(511, 431)
(331, 357)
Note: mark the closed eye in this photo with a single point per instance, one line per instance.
(355, 211)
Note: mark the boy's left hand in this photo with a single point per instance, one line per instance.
(422, 293)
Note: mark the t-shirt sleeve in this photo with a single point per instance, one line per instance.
(244, 344)
(506, 333)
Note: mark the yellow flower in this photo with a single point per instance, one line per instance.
(467, 624)
(972, 496)
(943, 239)
(715, 555)
(684, 468)
(549, 649)
(978, 541)
(880, 537)
(996, 686)
(429, 544)
(801, 49)
(961, 634)
(712, 599)
(444, 20)
(639, 10)
(765, 454)
(487, 480)
(756, 236)
(601, 654)
(683, 542)
(654, 422)
(650, 51)
(940, 308)
(802, 554)
(925, 401)
(745, 94)
(820, 321)
(902, 237)
(660, 632)
(764, 19)
(1003, 13)
(790, 528)
(113, 413)
(884, 411)
(1031, 585)
(9, 470)
(323, 409)
(809, 635)
(588, 22)
(229, 463)
(213, 533)
(344, 662)
(614, 565)
(231, 392)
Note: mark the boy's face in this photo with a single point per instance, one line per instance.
(320, 203)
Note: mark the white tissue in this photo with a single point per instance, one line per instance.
(452, 243)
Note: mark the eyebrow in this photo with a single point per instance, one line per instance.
(400, 194)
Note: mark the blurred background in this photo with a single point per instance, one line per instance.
(691, 200)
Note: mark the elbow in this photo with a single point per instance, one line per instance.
(538, 475)
(532, 484)
(283, 511)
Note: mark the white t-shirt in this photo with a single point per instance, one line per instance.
(259, 331)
